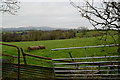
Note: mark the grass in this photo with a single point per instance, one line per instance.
(63, 43)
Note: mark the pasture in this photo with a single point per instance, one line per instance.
(63, 43)
(96, 61)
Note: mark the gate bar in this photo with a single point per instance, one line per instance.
(86, 58)
(88, 62)
(85, 47)
(18, 57)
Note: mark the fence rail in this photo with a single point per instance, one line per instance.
(85, 47)
(95, 67)
(87, 66)
(87, 58)
(40, 57)
(87, 62)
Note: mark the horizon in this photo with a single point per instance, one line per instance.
(49, 28)
(29, 27)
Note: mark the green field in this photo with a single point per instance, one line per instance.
(63, 43)
(79, 41)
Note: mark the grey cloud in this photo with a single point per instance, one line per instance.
(54, 14)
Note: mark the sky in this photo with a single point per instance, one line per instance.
(51, 13)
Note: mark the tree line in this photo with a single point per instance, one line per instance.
(35, 35)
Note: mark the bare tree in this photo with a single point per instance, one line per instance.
(105, 14)
(9, 6)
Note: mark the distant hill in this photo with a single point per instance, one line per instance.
(44, 28)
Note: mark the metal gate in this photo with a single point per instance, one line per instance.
(88, 67)
(20, 68)
(70, 63)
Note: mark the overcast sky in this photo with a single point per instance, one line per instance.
(59, 14)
